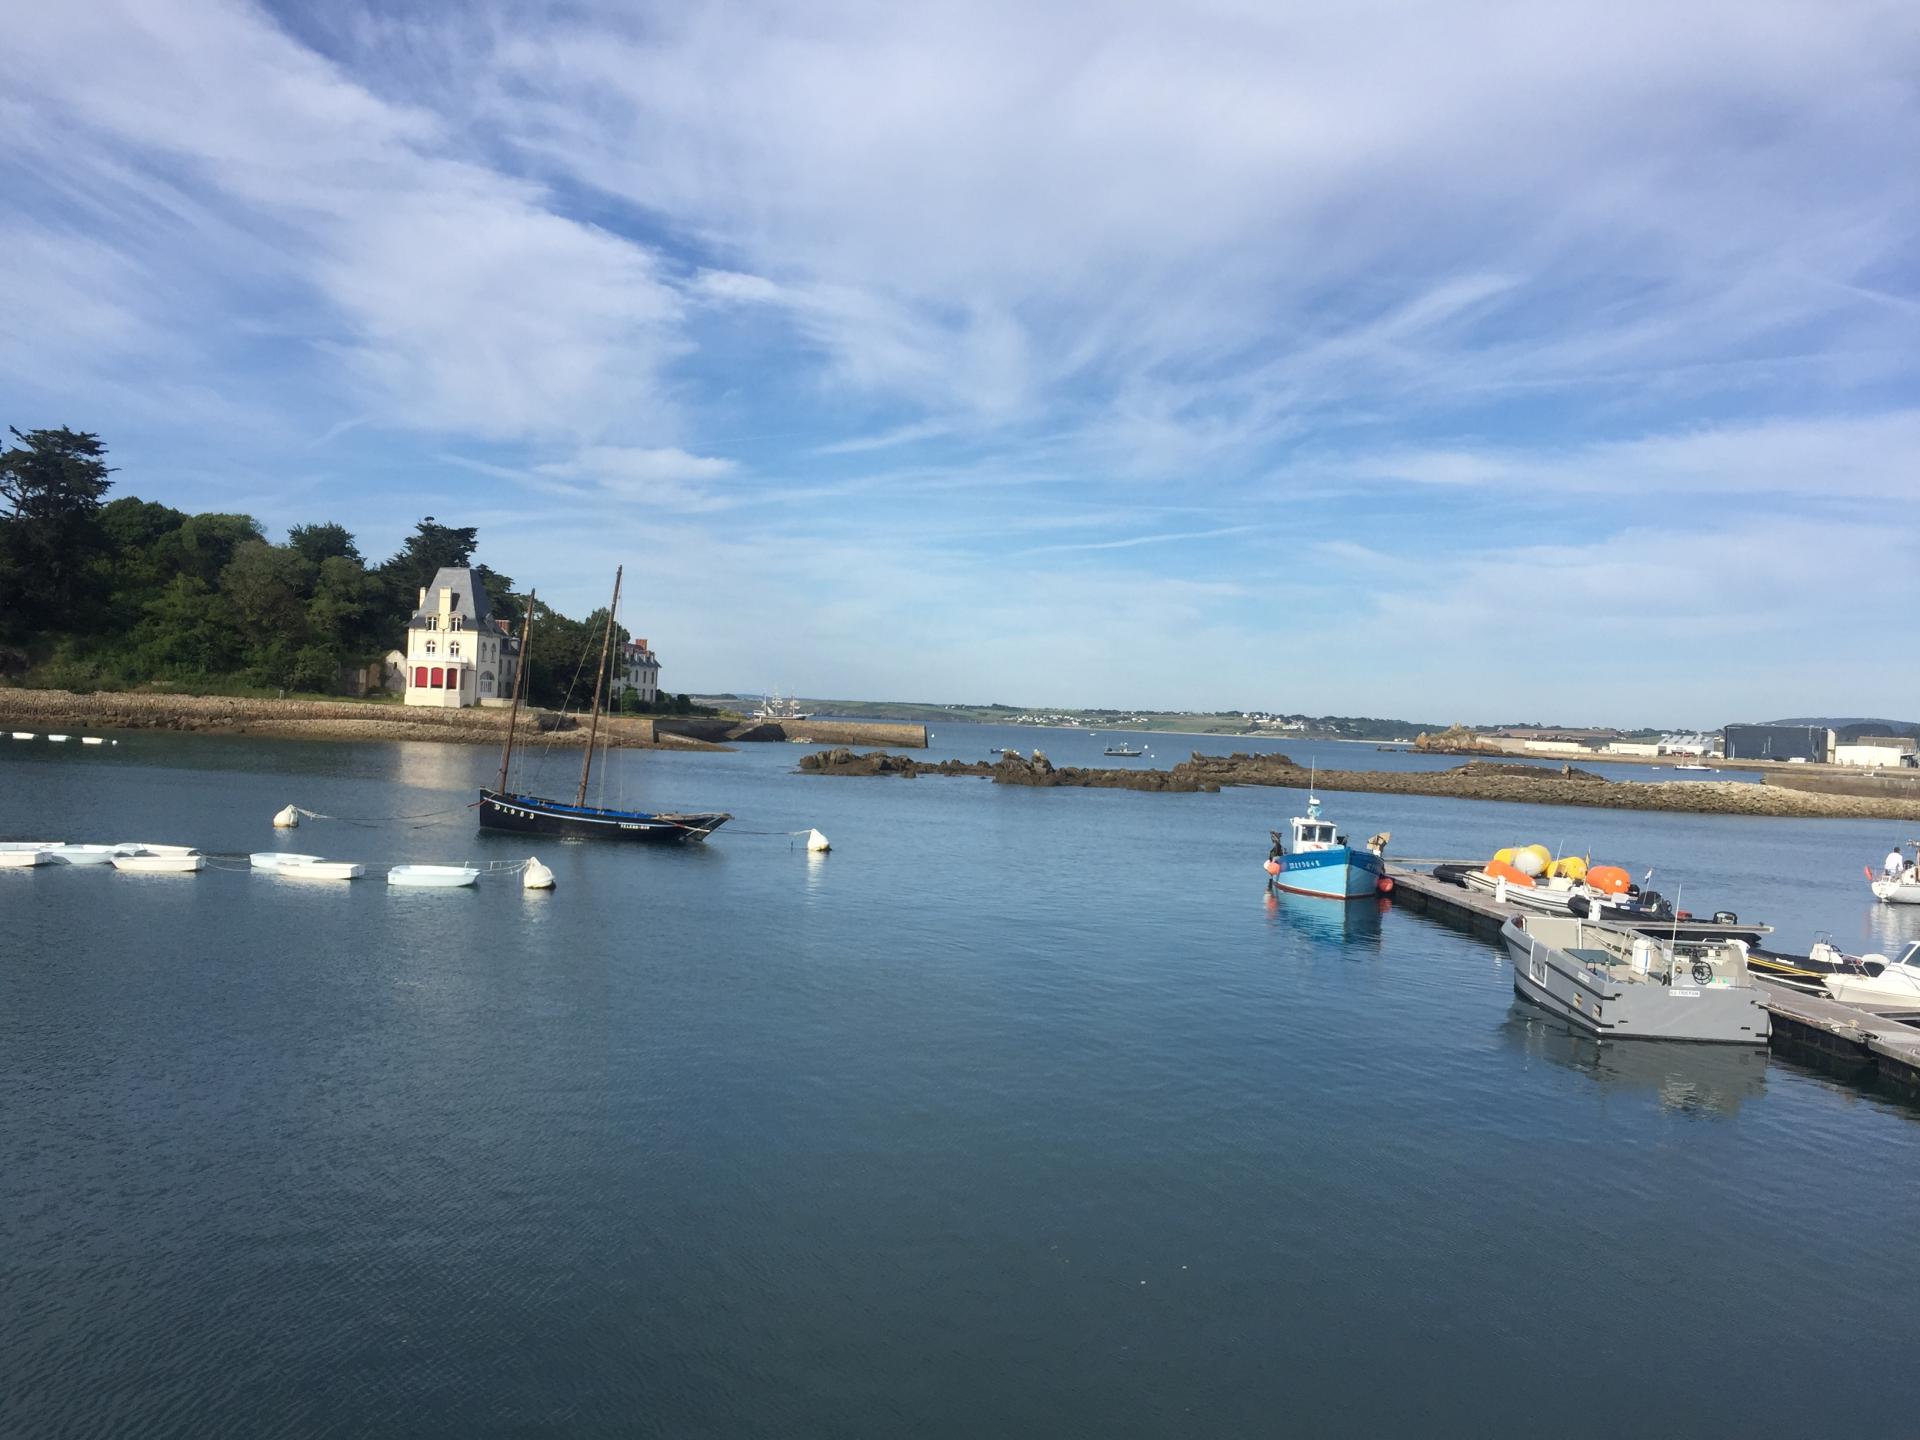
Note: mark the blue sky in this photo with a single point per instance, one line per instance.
(1474, 360)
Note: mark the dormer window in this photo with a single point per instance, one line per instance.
(433, 622)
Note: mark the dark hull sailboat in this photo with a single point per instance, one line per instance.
(510, 810)
(530, 815)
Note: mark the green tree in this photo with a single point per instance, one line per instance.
(432, 547)
(269, 585)
(323, 542)
(52, 482)
(204, 545)
(190, 631)
(349, 613)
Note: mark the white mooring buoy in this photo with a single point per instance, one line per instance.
(817, 844)
(287, 819)
(536, 876)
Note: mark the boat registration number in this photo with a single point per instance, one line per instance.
(1681, 994)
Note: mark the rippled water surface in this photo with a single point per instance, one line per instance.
(1022, 1112)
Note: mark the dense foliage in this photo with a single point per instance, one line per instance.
(100, 594)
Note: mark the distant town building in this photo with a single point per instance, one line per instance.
(638, 671)
(1812, 743)
(1643, 748)
(1879, 751)
(458, 652)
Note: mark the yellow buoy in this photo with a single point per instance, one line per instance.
(1503, 856)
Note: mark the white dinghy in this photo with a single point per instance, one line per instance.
(8, 847)
(280, 859)
(83, 854)
(150, 864)
(147, 847)
(433, 877)
(25, 734)
(21, 859)
(92, 740)
(59, 739)
(322, 870)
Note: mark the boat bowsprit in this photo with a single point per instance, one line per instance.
(433, 877)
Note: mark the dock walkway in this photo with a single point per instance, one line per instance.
(1882, 1042)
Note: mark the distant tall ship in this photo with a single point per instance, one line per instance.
(775, 708)
(505, 809)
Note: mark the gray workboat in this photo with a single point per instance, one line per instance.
(1622, 984)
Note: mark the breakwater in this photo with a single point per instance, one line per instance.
(1475, 780)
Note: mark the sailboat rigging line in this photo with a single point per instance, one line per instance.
(519, 683)
(599, 683)
(375, 821)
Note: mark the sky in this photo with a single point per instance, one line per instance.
(1466, 361)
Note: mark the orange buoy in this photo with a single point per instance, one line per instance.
(1385, 886)
(1273, 867)
(1500, 870)
(1609, 879)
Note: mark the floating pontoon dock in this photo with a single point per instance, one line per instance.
(1861, 1043)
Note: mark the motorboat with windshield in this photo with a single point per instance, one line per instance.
(1319, 861)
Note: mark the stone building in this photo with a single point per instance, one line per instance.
(458, 652)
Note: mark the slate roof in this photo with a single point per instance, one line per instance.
(469, 598)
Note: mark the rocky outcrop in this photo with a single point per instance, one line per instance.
(1476, 780)
(1456, 740)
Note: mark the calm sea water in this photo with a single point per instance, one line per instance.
(1021, 1113)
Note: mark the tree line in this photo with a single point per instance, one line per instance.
(99, 594)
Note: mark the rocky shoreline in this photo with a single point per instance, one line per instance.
(1475, 780)
(318, 720)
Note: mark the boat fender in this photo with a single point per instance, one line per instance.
(1385, 886)
(1273, 867)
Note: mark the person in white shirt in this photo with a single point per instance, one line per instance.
(1896, 862)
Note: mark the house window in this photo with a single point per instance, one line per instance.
(430, 647)
(419, 677)
(439, 679)
(486, 681)
(453, 647)
(433, 622)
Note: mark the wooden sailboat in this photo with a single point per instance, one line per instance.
(502, 808)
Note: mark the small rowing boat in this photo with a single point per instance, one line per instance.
(279, 859)
(22, 859)
(320, 870)
(152, 864)
(433, 877)
(83, 854)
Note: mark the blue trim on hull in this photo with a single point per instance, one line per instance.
(1341, 873)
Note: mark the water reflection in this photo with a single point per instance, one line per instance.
(1893, 927)
(1338, 922)
(1688, 1079)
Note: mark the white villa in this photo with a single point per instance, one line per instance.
(638, 670)
(458, 652)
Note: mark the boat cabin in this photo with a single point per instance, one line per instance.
(1311, 833)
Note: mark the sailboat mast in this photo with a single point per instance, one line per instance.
(519, 683)
(599, 680)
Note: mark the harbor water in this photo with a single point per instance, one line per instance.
(1023, 1112)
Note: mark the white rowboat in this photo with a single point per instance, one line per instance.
(322, 870)
(142, 847)
(160, 864)
(24, 734)
(83, 854)
(10, 846)
(432, 877)
(92, 740)
(21, 859)
(59, 737)
(280, 859)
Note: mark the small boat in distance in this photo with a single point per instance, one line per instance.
(83, 854)
(1707, 768)
(1123, 750)
(431, 877)
(23, 857)
(1320, 862)
(279, 859)
(320, 870)
(773, 707)
(505, 809)
(1901, 887)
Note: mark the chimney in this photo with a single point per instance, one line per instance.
(423, 597)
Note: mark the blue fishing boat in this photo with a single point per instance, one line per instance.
(1320, 862)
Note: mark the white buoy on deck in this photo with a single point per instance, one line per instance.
(536, 876)
(287, 819)
(817, 844)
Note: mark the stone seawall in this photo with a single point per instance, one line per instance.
(1901, 785)
(316, 719)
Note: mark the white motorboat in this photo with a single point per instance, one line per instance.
(1879, 981)
(150, 864)
(321, 870)
(280, 859)
(83, 854)
(23, 859)
(433, 877)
